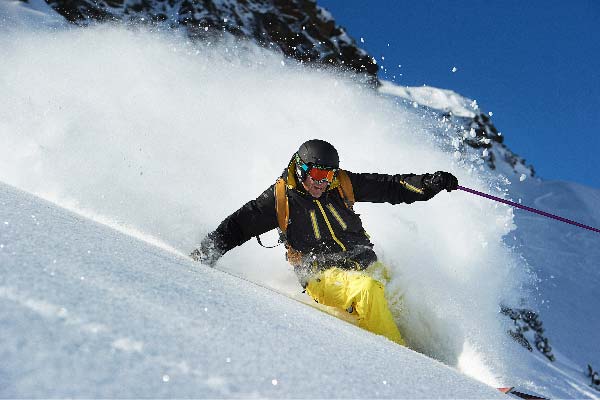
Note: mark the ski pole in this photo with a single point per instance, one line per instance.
(533, 210)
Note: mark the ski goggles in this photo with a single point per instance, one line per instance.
(321, 175)
(317, 173)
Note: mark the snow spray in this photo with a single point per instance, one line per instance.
(149, 131)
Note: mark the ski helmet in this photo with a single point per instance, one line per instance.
(315, 153)
(320, 153)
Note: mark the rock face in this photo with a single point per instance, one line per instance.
(299, 28)
(485, 136)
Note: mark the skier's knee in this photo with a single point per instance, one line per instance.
(374, 289)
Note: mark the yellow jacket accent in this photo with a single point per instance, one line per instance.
(315, 225)
(329, 226)
(337, 216)
(411, 187)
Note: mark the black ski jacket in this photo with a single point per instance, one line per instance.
(324, 230)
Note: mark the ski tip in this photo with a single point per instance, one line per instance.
(505, 390)
(511, 391)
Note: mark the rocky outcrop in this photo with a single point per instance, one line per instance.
(299, 28)
(527, 322)
(481, 133)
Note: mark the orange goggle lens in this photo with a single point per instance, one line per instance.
(319, 174)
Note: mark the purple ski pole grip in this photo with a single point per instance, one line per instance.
(533, 210)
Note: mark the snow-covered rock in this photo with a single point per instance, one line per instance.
(299, 28)
(463, 122)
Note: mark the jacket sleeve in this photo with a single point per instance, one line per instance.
(394, 189)
(253, 218)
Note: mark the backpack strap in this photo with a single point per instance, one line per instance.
(283, 211)
(345, 188)
(282, 207)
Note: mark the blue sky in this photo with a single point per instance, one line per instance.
(534, 64)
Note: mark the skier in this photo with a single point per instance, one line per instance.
(326, 243)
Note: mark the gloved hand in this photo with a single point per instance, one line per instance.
(206, 254)
(439, 181)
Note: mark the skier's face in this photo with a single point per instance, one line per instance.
(313, 187)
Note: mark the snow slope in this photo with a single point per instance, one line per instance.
(565, 259)
(90, 312)
(161, 139)
(35, 15)
(553, 250)
(439, 99)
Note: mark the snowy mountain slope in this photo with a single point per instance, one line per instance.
(553, 250)
(34, 15)
(90, 312)
(463, 127)
(155, 145)
(444, 100)
(565, 259)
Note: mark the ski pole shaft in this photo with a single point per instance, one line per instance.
(533, 210)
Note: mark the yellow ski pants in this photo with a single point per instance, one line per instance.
(340, 288)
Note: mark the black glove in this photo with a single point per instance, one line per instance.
(439, 181)
(207, 253)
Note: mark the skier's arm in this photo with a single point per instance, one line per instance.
(252, 219)
(400, 188)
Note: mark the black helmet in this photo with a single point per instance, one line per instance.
(320, 153)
